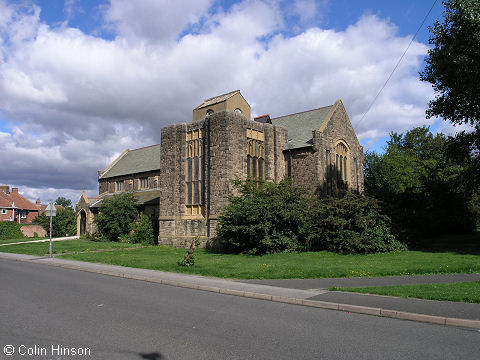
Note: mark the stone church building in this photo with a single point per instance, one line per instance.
(185, 181)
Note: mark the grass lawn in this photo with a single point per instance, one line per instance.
(62, 247)
(463, 292)
(9, 241)
(289, 265)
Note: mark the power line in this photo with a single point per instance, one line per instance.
(398, 63)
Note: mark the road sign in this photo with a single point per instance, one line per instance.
(51, 210)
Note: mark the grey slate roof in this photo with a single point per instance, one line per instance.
(143, 197)
(301, 125)
(135, 161)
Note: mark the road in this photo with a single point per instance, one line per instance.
(47, 310)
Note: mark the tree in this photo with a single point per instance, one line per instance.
(452, 65)
(424, 183)
(116, 214)
(64, 223)
(62, 201)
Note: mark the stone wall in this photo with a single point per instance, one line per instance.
(339, 128)
(31, 230)
(225, 159)
(303, 168)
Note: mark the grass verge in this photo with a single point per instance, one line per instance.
(60, 247)
(462, 292)
(288, 265)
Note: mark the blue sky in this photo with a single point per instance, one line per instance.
(81, 81)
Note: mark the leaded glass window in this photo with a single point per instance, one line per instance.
(194, 173)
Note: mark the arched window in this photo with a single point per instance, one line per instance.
(209, 112)
(342, 155)
(255, 154)
(238, 111)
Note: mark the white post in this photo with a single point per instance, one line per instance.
(50, 247)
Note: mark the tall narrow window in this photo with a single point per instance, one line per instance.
(356, 173)
(118, 186)
(341, 164)
(194, 173)
(143, 183)
(255, 154)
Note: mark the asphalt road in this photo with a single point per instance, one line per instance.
(46, 310)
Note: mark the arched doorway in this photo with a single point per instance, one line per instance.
(83, 222)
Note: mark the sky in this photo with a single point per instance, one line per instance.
(81, 81)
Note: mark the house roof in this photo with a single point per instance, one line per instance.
(144, 197)
(134, 161)
(4, 201)
(17, 199)
(217, 99)
(301, 125)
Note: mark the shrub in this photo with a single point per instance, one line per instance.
(352, 224)
(116, 214)
(187, 261)
(265, 218)
(10, 230)
(142, 231)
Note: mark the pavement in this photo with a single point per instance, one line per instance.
(43, 240)
(305, 292)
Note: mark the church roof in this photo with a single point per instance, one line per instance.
(301, 125)
(143, 197)
(217, 99)
(134, 161)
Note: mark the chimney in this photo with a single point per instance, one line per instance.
(5, 189)
(14, 190)
(38, 202)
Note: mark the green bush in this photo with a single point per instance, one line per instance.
(142, 231)
(10, 230)
(115, 216)
(190, 261)
(264, 218)
(352, 224)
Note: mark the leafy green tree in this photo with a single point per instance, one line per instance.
(423, 183)
(62, 201)
(452, 64)
(116, 214)
(63, 224)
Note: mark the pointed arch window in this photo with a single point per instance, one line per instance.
(342, 155)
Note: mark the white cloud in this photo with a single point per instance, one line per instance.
(154, 21)
(74, 100)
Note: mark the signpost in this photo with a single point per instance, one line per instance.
(50, 211)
